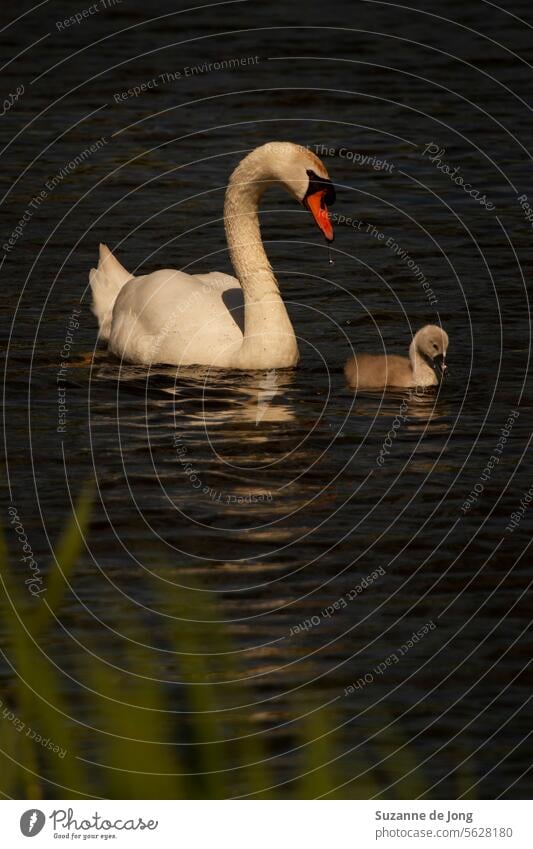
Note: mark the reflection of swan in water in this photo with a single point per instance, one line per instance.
(268, 389)
(418, 409)
(211, 397)
(406, 427)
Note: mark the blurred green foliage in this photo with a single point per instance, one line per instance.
(124, 734)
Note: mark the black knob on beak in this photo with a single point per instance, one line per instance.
(439, 365)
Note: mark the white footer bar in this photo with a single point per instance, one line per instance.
(267, 824)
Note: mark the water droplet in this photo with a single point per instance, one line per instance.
(331, 261)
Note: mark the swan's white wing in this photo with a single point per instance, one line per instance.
(177, 318)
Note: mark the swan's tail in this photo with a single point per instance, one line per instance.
(106, 282)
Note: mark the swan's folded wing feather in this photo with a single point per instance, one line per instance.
(174, 317)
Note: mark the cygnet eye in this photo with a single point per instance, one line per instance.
(435, 346)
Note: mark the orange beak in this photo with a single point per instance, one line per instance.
(317, 207)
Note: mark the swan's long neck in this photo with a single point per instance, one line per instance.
(269, 339)
(423, 374)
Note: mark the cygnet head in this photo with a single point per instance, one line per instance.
(303, 174)
(431, 343)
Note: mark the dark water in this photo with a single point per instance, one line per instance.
(287, 508)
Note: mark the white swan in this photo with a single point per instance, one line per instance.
(213, 319)
(426, 365)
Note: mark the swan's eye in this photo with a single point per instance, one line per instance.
(435, 347)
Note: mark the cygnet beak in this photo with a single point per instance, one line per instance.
(439, 365)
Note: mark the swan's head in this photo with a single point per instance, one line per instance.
(303, 174)
(431, 343)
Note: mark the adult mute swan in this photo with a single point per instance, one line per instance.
(214, 319)
(425, 366)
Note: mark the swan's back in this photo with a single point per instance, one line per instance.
(177, 318)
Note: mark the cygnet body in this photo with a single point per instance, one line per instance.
(425, 365)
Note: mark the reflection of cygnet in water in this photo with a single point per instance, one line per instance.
(425, 365)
